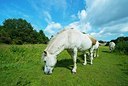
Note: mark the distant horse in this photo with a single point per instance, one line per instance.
(111, 46)
(72, 40)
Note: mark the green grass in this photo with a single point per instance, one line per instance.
(20, 65)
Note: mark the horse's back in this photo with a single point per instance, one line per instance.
(78, 39)
(111, 44)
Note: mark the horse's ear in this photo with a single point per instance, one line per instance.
(45, 53)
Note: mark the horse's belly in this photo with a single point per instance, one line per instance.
(85, 44)
(85, 47)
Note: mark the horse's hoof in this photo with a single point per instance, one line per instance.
(74, 72)
(91, 63)
(84, 63)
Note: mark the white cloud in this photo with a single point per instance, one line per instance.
(52, 28)
(111, 31)
(74, 17)
(82, 27)
(81, 24)
(47, 16)
(44, 8)
(82, 15)
(119, 28)
(109, 17)
(101, 12)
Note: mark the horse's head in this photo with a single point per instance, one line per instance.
(50, 61)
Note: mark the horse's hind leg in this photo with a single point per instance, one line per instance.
(94, 53)
(97, 52)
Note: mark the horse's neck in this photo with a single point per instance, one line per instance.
(59, 50)
(56, 48)
(56, 45)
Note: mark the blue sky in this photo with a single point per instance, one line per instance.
(104, 19)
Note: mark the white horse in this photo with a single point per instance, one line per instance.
(72, 40)
(96, 48)
(111, 46)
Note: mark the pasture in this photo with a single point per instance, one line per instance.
(21, 65)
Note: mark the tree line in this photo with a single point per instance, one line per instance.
(121, 44)
(19, 31)
(117, 40)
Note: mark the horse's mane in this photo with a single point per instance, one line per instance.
(54, 39)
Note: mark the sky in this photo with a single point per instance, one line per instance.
(103, 19)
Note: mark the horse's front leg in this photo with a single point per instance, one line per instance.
(85, 61)
(74, 60)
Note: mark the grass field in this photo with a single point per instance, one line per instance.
(20, 65)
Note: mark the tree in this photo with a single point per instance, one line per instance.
(19, 31)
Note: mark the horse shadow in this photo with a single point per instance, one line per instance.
(68, 63)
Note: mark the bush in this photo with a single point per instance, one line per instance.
(122, 47)
(6, 40)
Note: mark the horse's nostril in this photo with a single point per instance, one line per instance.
(49, 73)
(44, 61)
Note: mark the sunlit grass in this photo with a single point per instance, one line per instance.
(21, 65)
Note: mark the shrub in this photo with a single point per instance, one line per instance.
(122, 47)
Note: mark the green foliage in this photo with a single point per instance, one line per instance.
(122, 47)
(19, 31)
(21, 66)
(120, 39)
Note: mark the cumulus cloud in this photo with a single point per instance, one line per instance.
(109, 17)
(81, 24)
(102, 18)
(111, 31)
(53, 27)
(101, 12)
(82, 15)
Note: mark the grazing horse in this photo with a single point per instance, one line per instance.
(111, 46)
(70, 39)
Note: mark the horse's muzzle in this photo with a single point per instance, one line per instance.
(48, 73)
